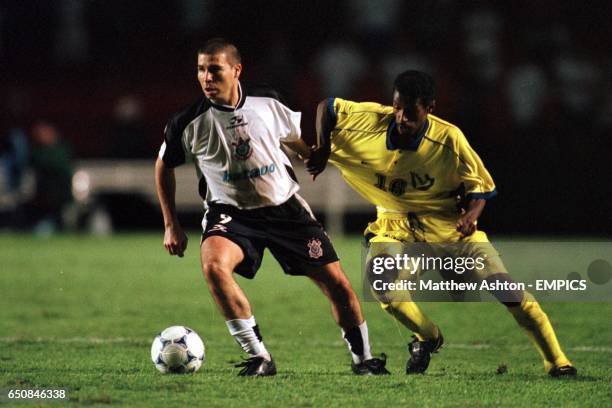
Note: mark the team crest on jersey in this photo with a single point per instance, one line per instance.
(242, 149)
(315, 250)
(242, 146)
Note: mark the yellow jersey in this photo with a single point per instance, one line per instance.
(426, 178)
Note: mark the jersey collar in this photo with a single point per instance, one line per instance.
(228, 108)
(414, 145)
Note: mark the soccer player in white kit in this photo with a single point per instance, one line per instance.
(234, 139)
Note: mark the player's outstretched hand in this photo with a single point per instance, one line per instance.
(175, 240)
(466, 225)
(317, 161)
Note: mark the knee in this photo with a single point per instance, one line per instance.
(215, 270)
(334, 281)
(518, 300)
(339, 283)
(340, 290)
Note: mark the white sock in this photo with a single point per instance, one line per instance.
(246, 333)
(358, 342)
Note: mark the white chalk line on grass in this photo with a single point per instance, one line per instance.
(128, 340)
(71, 340)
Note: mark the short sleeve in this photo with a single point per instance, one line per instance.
(288, 123)
(172, 152)
(366, 116)
(351, 119)
(475, 177)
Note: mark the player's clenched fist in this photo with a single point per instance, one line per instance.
(315, 164)
(175, 241)
(466, 225)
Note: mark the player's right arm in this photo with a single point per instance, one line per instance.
(319, 154)
(175, 240)
(337, 121)
(477, 182)
(171, 155)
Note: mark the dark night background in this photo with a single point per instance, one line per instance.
(529, 83)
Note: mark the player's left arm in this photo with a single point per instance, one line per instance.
(288, 122)
(300, 147)
(175, 239)
(478, 184)
(466, 225)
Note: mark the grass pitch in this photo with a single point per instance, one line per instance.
(79, 313)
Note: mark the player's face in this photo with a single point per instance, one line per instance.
(218, 77)
(410, 115)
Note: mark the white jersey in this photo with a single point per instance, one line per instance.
(236, 151)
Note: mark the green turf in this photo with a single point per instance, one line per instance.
(79, 313)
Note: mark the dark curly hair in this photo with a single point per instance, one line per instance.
(416, 85)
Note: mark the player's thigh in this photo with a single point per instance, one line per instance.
(232, 230)
(298, 241)
(218, 253)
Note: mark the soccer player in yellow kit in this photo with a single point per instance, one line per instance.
(412, 165)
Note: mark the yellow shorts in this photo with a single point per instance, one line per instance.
(393, 227)
(419, 228)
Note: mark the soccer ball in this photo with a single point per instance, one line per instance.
(177, 349)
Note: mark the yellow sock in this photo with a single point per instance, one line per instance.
(409, 314)
(530, 316)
